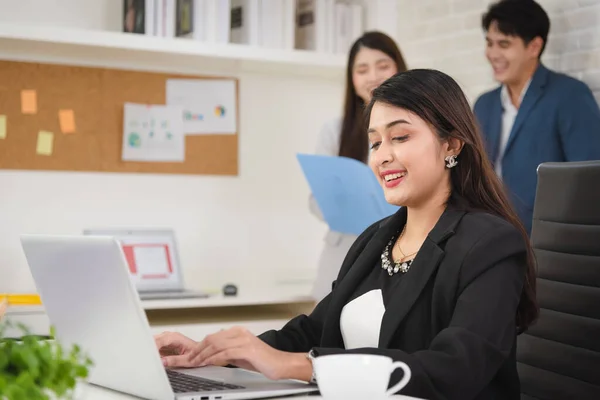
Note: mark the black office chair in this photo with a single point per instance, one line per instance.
(559, 357)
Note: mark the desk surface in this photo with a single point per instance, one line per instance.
(92, 392)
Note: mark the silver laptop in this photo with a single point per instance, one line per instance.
(153, 262)
(84, 285)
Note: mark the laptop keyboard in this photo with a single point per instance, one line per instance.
(183, 383)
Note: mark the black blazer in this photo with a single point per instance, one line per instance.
(453, 315)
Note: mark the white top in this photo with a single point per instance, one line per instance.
(328, 143)
(360, 321)
(336, 244)
(509, 115)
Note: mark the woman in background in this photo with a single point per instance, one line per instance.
(373, 58)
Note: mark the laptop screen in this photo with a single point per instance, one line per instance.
(151, 257)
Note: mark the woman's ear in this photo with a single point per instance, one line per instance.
(454, 146)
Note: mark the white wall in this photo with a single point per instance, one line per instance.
(256, 224)
(82, 14)
(447, 35)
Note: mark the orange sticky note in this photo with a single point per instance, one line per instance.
(67, 121)
(28, 101)
(2, 126)
(45, 143)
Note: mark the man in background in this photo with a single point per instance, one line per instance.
(536, 115)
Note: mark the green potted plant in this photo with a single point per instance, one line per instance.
(38, 369)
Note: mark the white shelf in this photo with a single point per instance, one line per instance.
(224, 301)
(87, 47)
(35, 318)
(214, 301)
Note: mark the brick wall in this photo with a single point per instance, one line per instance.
(447, 35)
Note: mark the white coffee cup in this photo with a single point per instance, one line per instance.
(357, 376)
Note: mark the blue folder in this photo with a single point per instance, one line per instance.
(347, 192)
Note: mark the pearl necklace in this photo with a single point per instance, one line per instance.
(394, 267)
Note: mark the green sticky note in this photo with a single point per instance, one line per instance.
(45, 143)
(2, 126)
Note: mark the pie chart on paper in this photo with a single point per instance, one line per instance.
(219, 111)
(134, 140)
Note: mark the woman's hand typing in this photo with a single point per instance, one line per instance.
(236, 346)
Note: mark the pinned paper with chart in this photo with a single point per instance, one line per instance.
(209, 105)
(153, 133)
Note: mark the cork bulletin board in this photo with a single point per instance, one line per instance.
(96, 97)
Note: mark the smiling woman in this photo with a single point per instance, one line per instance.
(400, 141)
(445, 285)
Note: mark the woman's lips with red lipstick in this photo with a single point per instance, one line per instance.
(392, 178)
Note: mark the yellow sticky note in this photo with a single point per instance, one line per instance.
(45, 143)
(67, 121)
(2, 126)
(29, 102)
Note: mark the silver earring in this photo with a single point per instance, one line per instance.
(451, 161)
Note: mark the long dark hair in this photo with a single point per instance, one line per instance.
(353, 137)
(438, 100)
